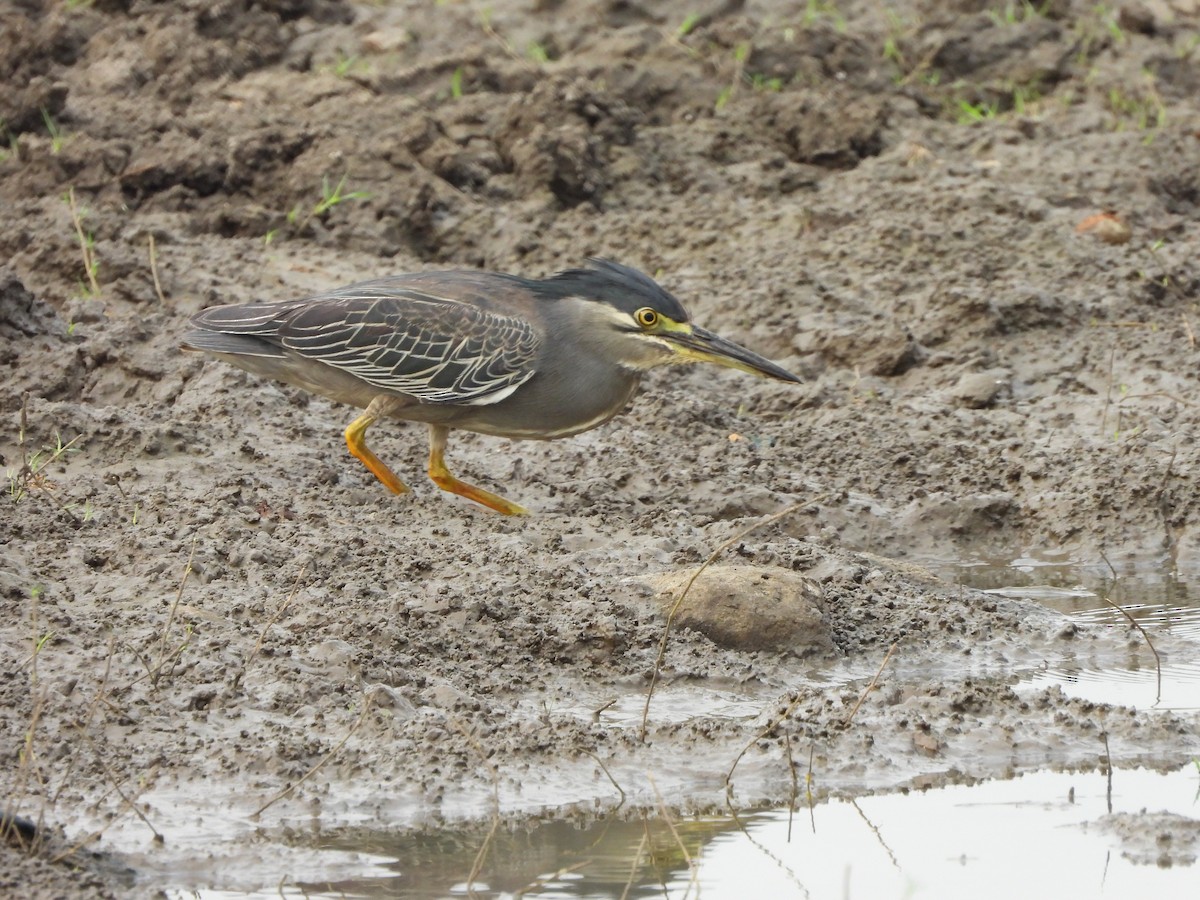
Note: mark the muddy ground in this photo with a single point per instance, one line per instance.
(204, 596)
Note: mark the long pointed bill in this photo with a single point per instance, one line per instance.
(699, 345)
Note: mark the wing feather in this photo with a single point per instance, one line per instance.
(397, 338)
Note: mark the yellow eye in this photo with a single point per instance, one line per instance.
(646, 317)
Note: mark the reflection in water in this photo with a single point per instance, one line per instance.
(1161, 601)
(1044, 834)
(1149, 590)
(611, 858)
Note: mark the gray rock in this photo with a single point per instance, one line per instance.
(977, 390)
(750, 608)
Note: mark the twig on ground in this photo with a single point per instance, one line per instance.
(662, 646)
(162, 301)
(368, 700)
(1136, 624)
(494, 774)
(608, 774)
(89, 253)
(162, 645)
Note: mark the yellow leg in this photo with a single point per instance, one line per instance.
(356, 440)
(442, 478)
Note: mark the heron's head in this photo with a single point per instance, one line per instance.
(643, 326)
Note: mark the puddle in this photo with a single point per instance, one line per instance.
(1164, 603)
(1040, 835)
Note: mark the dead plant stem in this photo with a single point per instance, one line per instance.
(787, 743)
(637, 860)
(368, 700)
(609, 775)
(482, 854)
(162, 646)
(90, 715)
(870, 687)
(162, 301)
(275, 618)
(662, 646)
(1136, 624)
(1112, 361)
(89, 253)
(666, 816)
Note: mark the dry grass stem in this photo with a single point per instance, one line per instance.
(870, 687)
(878, 834)
(787, 743)
(89, 252)
(762, 733)
(116, 785)
(1164, 511)
(600, 709)
(662, 646)
(89, 716)
(808, 790)
(1136, 624)
(693, 868)
(27, 766)
(275, 618)
(32, 473)
(162, 301)
(79, 845)
(783, 715)
(1108, 765)
(1112, 360)
(609, 775)
(162, 645)
(539, 883)
(637, 861)
(368, 701)
(494, 775)
(1167, 394)
(761, 848)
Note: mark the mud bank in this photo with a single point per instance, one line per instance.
(203, 597)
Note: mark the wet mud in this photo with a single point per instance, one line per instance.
(972, 230)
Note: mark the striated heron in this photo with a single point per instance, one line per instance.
(514, 357)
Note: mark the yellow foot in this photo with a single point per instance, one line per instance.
(443, 478)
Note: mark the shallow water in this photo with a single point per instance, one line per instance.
(1162, 601)
(1039, 835)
